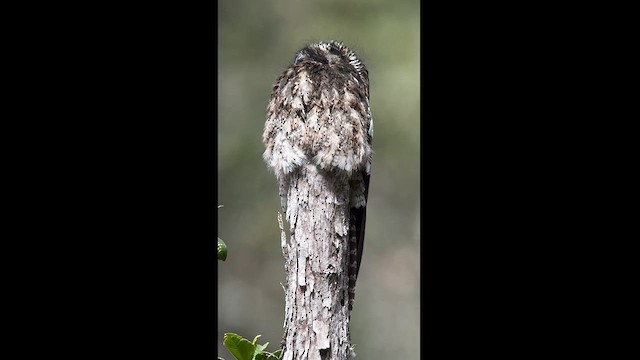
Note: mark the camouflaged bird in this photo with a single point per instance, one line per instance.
(319, 115)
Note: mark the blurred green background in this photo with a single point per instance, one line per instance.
(257, 40)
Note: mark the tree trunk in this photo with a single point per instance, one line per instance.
(316, 204)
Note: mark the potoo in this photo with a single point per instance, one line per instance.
(319, 124)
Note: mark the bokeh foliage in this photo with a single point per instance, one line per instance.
(256, 41)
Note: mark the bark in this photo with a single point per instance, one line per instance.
(316, 261)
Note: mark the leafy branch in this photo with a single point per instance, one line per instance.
(243, 349)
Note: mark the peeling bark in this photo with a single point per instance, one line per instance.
(316, 260)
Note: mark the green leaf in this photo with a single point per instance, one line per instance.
(260, 348)
(239, 347)
(261, 356)
(222, 250)
(275, 356)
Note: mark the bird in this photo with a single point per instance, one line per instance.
(319, 113)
